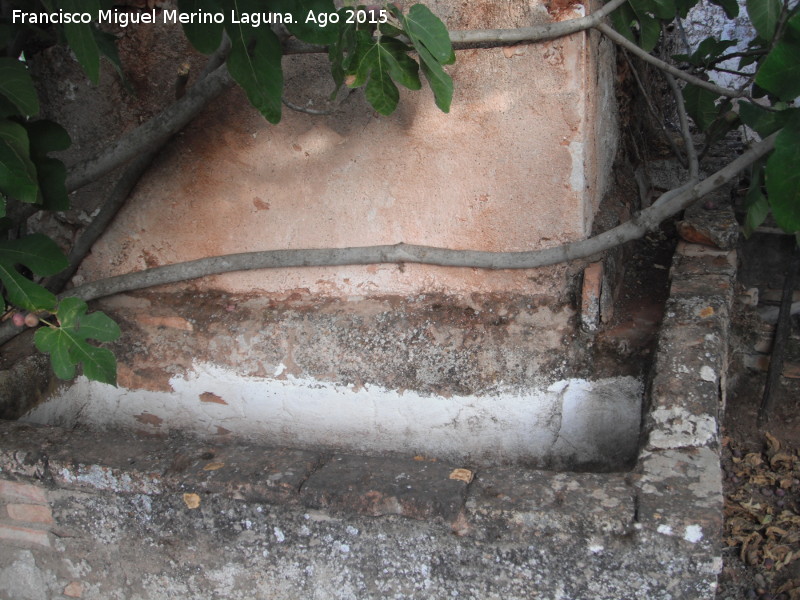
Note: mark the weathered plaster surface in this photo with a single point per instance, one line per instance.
(571, 422)
(519, 163)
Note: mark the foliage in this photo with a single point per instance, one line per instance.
(66, 342)
(371, 47)
(768, 98)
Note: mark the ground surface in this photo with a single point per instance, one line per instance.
(761, 465)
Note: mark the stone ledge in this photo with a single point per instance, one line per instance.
(515, 500)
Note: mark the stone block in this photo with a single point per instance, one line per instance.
(375, 486)
(30, 513)
(716, 228)
(24, 536)
(253, 474)
(12, 492)
(516, 504)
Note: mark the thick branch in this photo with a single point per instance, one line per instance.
(123, 188)
(536, 33)
(667, 205)
(153, 133)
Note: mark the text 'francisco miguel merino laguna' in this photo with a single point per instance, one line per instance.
(124, 19)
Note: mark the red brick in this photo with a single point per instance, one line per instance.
(74, 590)
(11, 491)
(30, 513)
(24, 536)
(590, 296)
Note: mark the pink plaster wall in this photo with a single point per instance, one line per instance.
(518, 164)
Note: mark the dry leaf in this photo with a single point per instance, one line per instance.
(213, 466)
(192, 501)
(464, 475)
(754, 459)
(773, 444)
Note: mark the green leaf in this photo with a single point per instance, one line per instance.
(45, 137)
(50, 341)
(622, 19)
(684, 6)
(709, 50)
(665, 9)
(375, 64)
(727, 121)
(67, 343)
(756, 214)
(424, 28)
(42, 256)
(700, 105)
(780, 71)
(7, 108)
(81, 38)
(206, 37)
(381, 92)
(52, 183)
(313, 31)
(107, 45)
(783, 177)
(441, 83)
(18, 177)
(17, 86)
(756, 202)
(341, 53)
(36, 251)
(764, 15)
(255, 64)
(649, 32)
(24, 293)
(731, 7)
(764, 122)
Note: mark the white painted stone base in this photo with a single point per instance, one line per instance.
(571, 422)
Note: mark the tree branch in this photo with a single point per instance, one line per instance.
(686, 132)
(536, 33)
(664, 66)
(123, 188)
(667, 205)
(153, 133)
(651, 107)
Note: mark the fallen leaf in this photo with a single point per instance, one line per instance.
(773, 444)
(464, 475)
(213, 466)
(192, 501)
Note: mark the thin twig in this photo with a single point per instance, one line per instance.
(782, 331)
(306, 110)
(686, 132)
(664, 66)
(651, 107)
